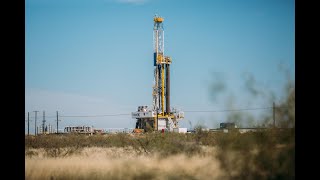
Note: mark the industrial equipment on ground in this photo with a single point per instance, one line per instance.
(83, 130)
(45, 130)
(228, 125)
(78, 129)
(160, 116)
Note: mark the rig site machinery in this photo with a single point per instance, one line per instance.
(159, 117)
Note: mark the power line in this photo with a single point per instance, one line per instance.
(195, 111)
(46, 117)
(227, 110)
(99, 115)
(184, 111)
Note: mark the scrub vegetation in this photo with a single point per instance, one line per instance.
(265, 154)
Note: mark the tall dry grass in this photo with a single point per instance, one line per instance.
(123, 163)
(265, 154)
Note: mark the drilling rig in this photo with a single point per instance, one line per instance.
(160, 117)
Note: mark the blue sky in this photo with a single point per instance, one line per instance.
(94, 57)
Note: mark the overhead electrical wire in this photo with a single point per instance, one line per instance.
(188, 111)
(98, 115)
(227, 110)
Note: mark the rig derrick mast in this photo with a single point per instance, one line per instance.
(160, 116)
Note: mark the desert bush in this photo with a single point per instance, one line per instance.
(166, 144)
(169, 144)
(30, 153)
(266, 154)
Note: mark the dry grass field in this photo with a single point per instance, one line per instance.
(122, 163)
(268, 154)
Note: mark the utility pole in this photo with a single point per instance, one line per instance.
(57, 123)
(35, 123)
(43, 123)
(28, 123)
(274, 114)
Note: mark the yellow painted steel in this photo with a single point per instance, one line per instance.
(159, 58)
(158, 19)
(160, 116)
(162, 88)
